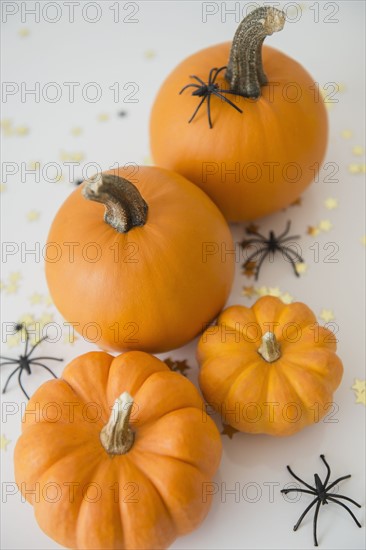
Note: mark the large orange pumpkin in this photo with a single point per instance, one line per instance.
(270, 368)
(151, 271)
(250, 163)
(133, 478)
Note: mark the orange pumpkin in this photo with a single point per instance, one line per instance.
(270, 368)
(254, 162)
(148, 274)
(130, 479)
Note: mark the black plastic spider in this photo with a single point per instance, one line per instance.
(269, 246)
(206, 90)
(322, 494)
(24, 362)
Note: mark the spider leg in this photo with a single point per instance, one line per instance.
(328, 470)
(8, 358)
(44, 366)
(9, 377)
(254, 241)
(209, 111)
(297, 525)
(37, 358)
(287, 229)
(189, 86)
(198, 79)
(301, 480)
(337, 481)
(196, 111)
(293, 237)
(346, 508)
(283, 250)
(257, 269)
(9, 363)
(290, 251)
(21, 385)
(316, 522)
(210, 81)
(37, 344)
(218, 71)
(218, 94)
(347, 498)
(250, 258)
(292, 490)
(249, 232)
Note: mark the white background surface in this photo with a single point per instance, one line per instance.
(144, 52)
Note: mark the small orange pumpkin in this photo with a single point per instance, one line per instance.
(148, 273)
(254, 162)
(270, 368)
(130, 479)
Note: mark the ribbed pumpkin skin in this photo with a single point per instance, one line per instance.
(144, 498)
(153, 288)
(250, 164)
(278, 398)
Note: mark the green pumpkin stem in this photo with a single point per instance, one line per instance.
(125, 208)
(245, 70)
(270, 348)
(117, 437)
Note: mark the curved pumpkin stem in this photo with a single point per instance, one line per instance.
(117, 437)
(125, 208)
(245, 70)
(270, 348)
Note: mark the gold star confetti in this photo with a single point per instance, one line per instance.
(74, 157)
(36, 298)
(301, 268)
(326, 315)
(355, 168)
(6, 123)
(23, 32)
(248, 291)
(76, 131)
(2, 187)
(149, 54)
(359, 388)
(228, 430)
(252, 228)
(177, 366)
(48, 300)
(297, 202)
(363, 240)
(249, 269)
(331, 203)
(346, 134)
(313, 231)
(12, 341)
(103, 117)
(358, 150)
(22, 130)
(286, 298)
(4, 442)
(15, 276)
(262, 291)
(33, 216)
(325, 225)
(27, 319)
(275, 291)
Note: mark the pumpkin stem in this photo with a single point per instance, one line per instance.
(125, 208)
(116, 436)
(245, 70)
(270, 348)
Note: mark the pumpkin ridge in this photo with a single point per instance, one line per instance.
(302, 403)
(238, 380)
(321, 380)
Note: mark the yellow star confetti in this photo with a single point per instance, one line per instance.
(33, 216)
(36, 298)
(358, 150)
(326, 315)
(48, 300)
(2, 187)
(363, 240)
(262, 291)
(248, 291)
(149, 54)
(15, 276)
(74, 157)
(12, 341)
(313, 231)
(359, 388)
(301, 268)
(22, 130)
(76, 131)
(27, 319)
(4, 442)
(355, 168)
(23, 32)
(325, 225)
(286, 298)
(12, 288)
(331, 203)
(275, 291)
(103, 117)
(6, 123)
(346, 134)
